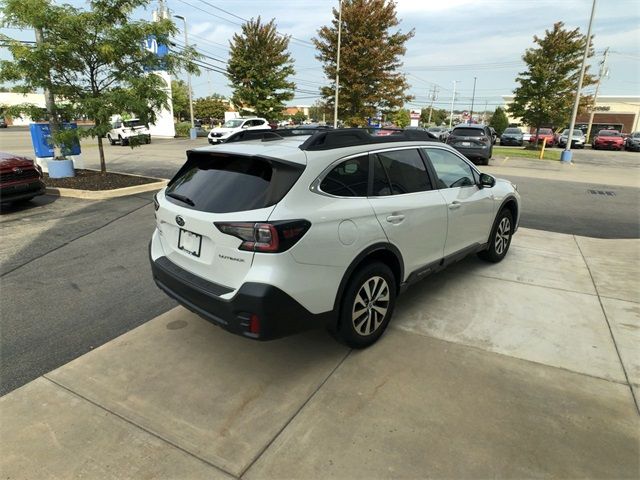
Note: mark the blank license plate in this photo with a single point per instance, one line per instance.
(189, 242)
(466, 144)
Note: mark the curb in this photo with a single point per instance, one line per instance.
(105, 194)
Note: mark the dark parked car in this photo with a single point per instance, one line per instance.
(512, 136)
(608, 140)
(3, 123)
(632, 142)
(20, 179)
(473, 141)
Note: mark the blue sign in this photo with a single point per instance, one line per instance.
(153, 46)
(42, 143)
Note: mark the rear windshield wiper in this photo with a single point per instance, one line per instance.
(182, 198)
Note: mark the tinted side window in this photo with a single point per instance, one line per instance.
(452, 171)
(404, 170)
(348, 179)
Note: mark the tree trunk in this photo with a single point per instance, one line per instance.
(537, 135)
(103, 165)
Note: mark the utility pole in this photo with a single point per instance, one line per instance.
(603, 73)
(49, 101)
(453, 101)
(484, 114)
(433, 96)
(566, 155)
(473, 98)
(335, 106)
(186, 46)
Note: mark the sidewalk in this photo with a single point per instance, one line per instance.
(522, 369)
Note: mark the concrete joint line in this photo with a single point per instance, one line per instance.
(613, 338)
(533, 284)
(74, 239)
(295, 414)
(134, 424)
(533, 362)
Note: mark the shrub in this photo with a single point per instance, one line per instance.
(182, 129)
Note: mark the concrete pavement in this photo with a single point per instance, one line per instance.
(521, 369)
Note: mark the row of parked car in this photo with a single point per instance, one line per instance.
(603, 140)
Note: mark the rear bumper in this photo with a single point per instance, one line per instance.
(474, 152)
(511, 141)
(277, 313)
(20, 191)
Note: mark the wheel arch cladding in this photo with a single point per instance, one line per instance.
(511, 205)
(382, 252)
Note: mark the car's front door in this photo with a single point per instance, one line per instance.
(470, 207)
(412, 213)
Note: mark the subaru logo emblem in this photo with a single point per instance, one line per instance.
(180, 220)
(17, 170)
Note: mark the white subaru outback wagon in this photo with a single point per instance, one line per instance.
(272, 234)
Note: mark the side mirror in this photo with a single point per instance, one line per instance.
(487, 180)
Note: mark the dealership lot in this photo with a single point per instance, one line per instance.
(520, 369)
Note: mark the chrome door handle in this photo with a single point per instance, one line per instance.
(454, 205)
(395, 218)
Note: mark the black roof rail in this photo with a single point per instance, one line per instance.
(350, 137)
(322, 139)
(267, 134)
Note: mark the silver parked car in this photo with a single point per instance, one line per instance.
(577, 141)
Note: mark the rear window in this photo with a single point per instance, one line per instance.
(546, 131)
(608, 133)
(468, 132)
(222, 183)
(513, 130)
(133, 123)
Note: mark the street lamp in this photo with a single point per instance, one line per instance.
(192, 133)
(566, 155)
(453, 100)
(335, 106)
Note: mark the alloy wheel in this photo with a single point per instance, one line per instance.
(503, 234)
(370, 306)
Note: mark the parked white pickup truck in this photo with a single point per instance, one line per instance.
(123, 131)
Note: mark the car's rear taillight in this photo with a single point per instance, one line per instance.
(266, 237)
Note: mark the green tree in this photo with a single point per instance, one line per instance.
(438, 116)
(298, 117)
(180, 99)
(499, 121)
(258, 69)
(370, 56)
(402, 118)
(94, 59)
(212, 107)
(319, 111)
(546, 90)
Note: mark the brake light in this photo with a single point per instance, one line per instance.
(266, 237)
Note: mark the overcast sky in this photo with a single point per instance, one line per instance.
(454, 40)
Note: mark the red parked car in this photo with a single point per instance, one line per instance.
(608, 140)
(542, 134)
(20, 179)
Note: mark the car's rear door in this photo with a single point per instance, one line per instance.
(470, 208)
(218, 187)
(411, 212)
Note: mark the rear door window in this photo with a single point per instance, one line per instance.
(348, 179)
(221, 183)
(398, 172)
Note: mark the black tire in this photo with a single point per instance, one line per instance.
(111, 140)
(148, 141)
(500, 238)
(364, 330)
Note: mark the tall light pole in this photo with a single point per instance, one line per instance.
(186, 46)
(602, 73)
(473, 98)
(566, 155)
(453, 101)
(335, 106)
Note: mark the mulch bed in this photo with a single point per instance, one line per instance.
(92, 180)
